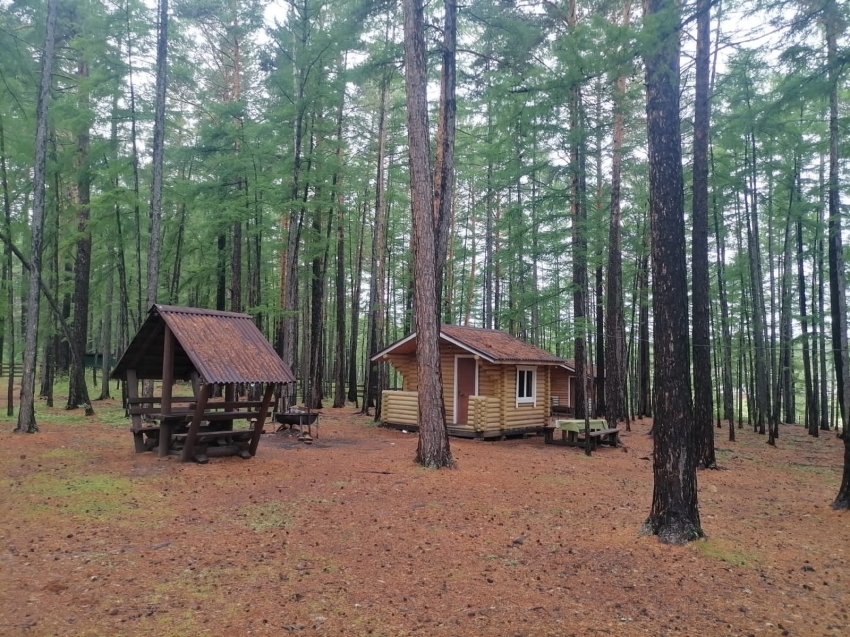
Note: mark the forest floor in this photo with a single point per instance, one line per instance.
(349, 537)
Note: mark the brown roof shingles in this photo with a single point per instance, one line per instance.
(223, 347)
(492, 345)
(498, 346)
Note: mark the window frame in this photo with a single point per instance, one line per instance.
(526, 400)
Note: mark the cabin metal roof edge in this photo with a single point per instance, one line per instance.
(223, 347)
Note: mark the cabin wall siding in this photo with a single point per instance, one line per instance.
(561, 386)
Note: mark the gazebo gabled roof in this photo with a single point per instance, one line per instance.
(222, 347)
(493, 346)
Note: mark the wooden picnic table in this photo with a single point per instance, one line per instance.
(216, 437)
(571, 429)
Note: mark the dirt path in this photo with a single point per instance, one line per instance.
(349, 537)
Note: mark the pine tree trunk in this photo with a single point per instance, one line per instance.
(355, 309)
(837, 283)
(726, 336)
(762, 369)
(784, 324)
(600, 370)
(489, 265)
(615, 328)
(811, 418)
(137, 320)
(578, 212)
(314, 395)
(158, 155)
(674, 516)
(703, 398)
(433, 449)
(236, 267)
(821, 313)
(340, 359)
(374, 384)
(8, 282)
(77, 389)
(26, 413)
(6, 279)
(445, 145)
(644, 393)
(106, 327)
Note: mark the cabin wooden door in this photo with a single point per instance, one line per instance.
(466, 385)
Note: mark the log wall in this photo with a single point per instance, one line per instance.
(400, 407)
(526, 414)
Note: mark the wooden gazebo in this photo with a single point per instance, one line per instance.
(214, 351)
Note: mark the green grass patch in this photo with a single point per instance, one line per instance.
(93, 497)
(715, 549)
(65, 454)
(268, 516)
(815, 469)
(113, 416)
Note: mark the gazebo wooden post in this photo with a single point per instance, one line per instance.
(196, 384)
(167, 382)
(133, 393)
(229, 397)
(189, 448)
(261, 418)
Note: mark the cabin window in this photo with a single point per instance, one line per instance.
(526, 385)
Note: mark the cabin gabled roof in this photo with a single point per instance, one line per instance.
(223, 347)
(493, 346)
(570, 365)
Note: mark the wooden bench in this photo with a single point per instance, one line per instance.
(236, 443)
(606, 436)
(237, 434)
(559, 410)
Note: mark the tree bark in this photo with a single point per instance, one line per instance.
(158, 154)
(355, 310)
(444, 164)
(615, 328)
(6, 278)
(810, 344)
(374, 380)
(136, 181)
(762, 369)
(578, 211)
(340, 359)
(703, 397)
(837, 283)
(821, 314)
(643, 372)
(8, 281)
(106, 327)
(726, 336)
(674, 516)
(78, 395)
(26, 413)
(433, 449)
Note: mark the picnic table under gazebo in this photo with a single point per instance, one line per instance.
(217, 352)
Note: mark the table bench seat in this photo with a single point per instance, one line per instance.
(611, 436)
(212, 435)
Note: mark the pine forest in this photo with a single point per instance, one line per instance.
(652, 191)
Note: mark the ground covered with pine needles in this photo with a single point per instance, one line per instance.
(348, 536)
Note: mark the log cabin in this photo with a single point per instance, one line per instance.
(494, 385)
